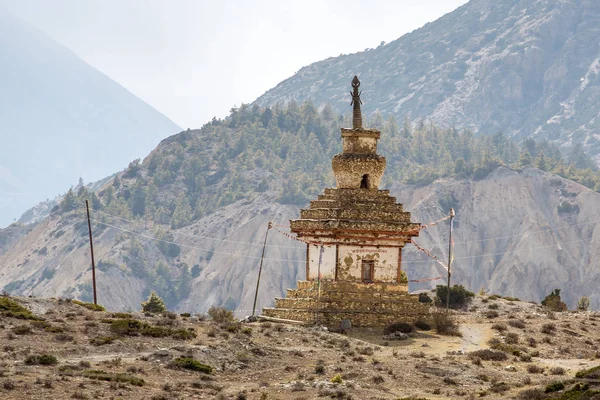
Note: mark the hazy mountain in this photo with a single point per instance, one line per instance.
(61, 119)
(528, 68)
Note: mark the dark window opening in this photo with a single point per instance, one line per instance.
(368, 270)
(364, 183)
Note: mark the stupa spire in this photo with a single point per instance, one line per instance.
(356, 102)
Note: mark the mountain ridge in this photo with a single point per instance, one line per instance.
(527, 68)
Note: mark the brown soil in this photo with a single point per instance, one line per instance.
(277, 361)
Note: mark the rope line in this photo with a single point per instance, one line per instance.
(237, 255)
(193, 236)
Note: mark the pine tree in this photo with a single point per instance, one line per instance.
(154, 304)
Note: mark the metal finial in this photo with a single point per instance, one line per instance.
(356, 102)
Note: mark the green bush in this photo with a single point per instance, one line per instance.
(554, 387)
(459, 296)
(101, 340)
(154, 304)
(191, 364)
(133, 327)
(12, 309)
(590, 373)
(41, 359)
(129, 327)
(89, 306)
(553, 302)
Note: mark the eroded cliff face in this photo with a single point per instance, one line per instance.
(516, 233)
(520, 234)
(528, 68)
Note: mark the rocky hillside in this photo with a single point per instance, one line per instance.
(508, 350)
(61, 119)
(528, 68)
(518, 233)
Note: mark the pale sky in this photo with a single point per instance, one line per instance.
(193, 60)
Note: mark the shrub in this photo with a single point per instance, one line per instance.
(548, 328)
(531, 394)
(221, 315)
(398, 327)
(422, 325)
(534, 369)
(488, 355)
(517, 323)
(424, 298)
(553, 302)
(557, 371)
(22, 330)
(89, 306)
(500, 327)
(130, 327)
(320, 367)
(591, 373)
(445, 324)
(10, 308)
(191, 364)
(554, 387)
(102, 340)
(583, 304)
(110, 377)
(154, 304)
(511, 338)
(337, 379)
(43, 359)
(494, 306)
(492, 314)
(459, 296)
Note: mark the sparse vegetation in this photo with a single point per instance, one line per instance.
(488, 355)
(445, 323)
(89, 306)
(10, 308)
(191, 364)
(41, 359)
(221, 315)
(583, 304)
(132, 327)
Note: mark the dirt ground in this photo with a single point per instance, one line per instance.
(266, 360)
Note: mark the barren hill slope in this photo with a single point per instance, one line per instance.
(508, 349)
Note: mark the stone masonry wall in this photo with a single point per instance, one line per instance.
(365, 305)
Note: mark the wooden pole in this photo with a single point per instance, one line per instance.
(87, 207)
(259, 271)
(319, 281)
(449, 259)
